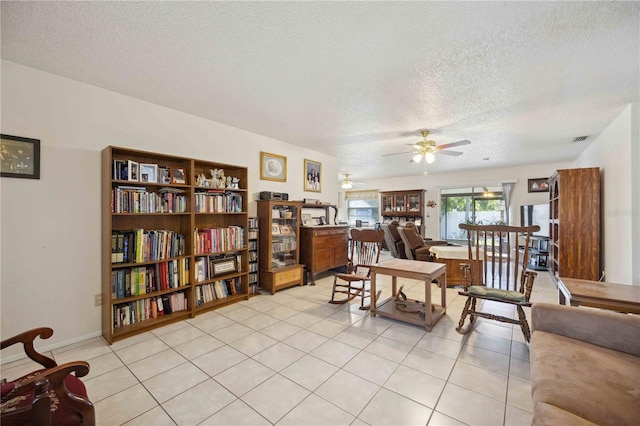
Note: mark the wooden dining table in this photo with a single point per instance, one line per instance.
(597, 294)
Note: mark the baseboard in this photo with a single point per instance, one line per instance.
(51, 347)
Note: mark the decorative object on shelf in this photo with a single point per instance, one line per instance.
(20, 157)
(148, 173)
(178, 175)
(312, 176)
(431, 203)
(164, 175)
(311, 201)
(132, 169)
(273, 167)
(538, 185)
(307, 220)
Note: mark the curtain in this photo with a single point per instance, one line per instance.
(507, 190)
(371, 194)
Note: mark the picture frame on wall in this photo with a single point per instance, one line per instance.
(538, 185)
(273, 167)
(312, 176)
(20, 157)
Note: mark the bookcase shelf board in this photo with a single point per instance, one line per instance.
(161, 215)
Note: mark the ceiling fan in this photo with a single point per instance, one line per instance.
(347, 183)
(427, 148)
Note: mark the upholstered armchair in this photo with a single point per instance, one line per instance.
(393, 240)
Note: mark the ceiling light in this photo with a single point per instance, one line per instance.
(417, 158)
(346, 184)
(429, 157)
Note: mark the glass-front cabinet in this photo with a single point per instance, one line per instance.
(279, 252)
(403, 206)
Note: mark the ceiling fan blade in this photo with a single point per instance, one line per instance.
(451, 153)
(452, 144)
(397, 153)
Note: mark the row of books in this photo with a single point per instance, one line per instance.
(152, 307)
(284, 244)
(132, 199)
(128, 282)
(138, 245)
(253, 223)
(253, 278)
(218, 202)
(253, 234)
(208, 267)
(215, 240)
(217, 290)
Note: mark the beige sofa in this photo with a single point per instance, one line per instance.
(585, 366)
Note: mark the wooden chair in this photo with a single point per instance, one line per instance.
(364, 251)
(497, 254)
(49, 396)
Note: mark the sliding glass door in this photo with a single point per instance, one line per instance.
(473, 205)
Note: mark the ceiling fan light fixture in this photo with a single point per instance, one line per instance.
(417, 158)
(346, 184)
(429, 157)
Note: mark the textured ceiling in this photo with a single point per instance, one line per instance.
(357, 79)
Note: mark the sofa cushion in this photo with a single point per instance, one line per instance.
(598, 384)
(550, 415)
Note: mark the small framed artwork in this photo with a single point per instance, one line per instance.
(273, 167)
(224, 266)
(132, 168)
(20, 157)
(307, 220)
(312, 176)
(164, 175)
(148, 173)
(538, 185)
(275, 229)
(178, 175)
(285, 229)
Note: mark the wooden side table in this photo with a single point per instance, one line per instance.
(614, 297)
(412, 269)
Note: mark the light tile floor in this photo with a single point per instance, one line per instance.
(294, 359)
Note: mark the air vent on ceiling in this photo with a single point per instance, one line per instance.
(580, 138)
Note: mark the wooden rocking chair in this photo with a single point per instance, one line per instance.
(498, 255)
(364, 251)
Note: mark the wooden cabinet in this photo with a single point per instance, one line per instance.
(403, 206)
(323, 248)
(574, 212)
(279, 247)
(170, 248)
(402, 203)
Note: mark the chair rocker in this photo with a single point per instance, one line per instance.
(49, 396)
(498, 257)
(364, 251)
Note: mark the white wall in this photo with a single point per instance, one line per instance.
(612, 152)
(50, 228)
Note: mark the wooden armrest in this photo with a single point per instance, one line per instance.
(57, 374)
(27, 338)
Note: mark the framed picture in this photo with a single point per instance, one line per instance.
(224, 266)
(539, 185)
(164, 175)
(312, 176)
(273, 167)
(275, 229)
(285, 229)
(178, 175)
(20, 157)
(132, 169)
(307, 220)
(148, 173)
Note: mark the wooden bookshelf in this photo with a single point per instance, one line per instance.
(279, 223)
(186, 237)
(574, 216)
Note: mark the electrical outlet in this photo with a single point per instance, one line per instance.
(98, 299)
